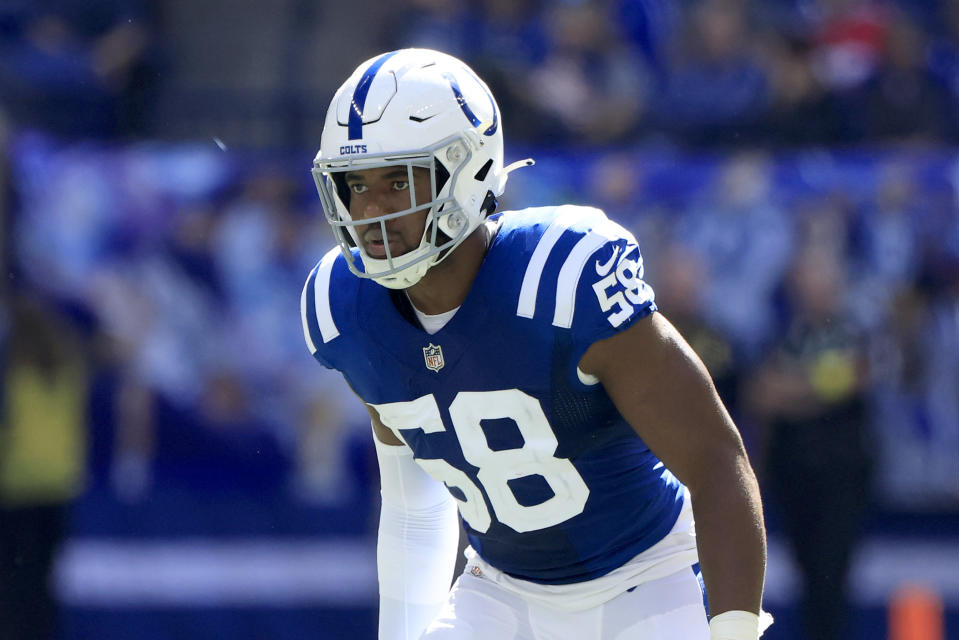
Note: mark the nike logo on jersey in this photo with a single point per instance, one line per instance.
(603, 269)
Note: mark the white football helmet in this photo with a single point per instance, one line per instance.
(413, 108)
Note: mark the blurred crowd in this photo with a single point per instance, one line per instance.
(81, 69)
(577, 72)
(709, 72)
(181, 263)
(789, 167)
(182, 270)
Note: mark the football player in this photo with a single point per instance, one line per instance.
(517, 372)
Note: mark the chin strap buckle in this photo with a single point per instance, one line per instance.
(489, 204)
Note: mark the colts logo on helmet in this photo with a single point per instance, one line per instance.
(455, 86)
(433, 354)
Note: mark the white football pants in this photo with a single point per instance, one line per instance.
(670, 608)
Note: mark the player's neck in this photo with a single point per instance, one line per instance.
(446, 285)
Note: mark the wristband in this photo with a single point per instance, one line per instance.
(738, 625)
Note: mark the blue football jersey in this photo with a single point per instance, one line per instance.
(553, 485)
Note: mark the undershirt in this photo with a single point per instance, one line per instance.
(432, 324)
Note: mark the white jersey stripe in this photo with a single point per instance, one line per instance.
(569, 276)
(321, 294)
(303, 316)
(534, 270)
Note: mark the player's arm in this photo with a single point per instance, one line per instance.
(664, 391)
(419, 531)
(416, 542)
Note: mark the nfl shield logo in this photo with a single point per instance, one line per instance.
(433, 354)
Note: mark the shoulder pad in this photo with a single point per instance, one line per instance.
(581, 232)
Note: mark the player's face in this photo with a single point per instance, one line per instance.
(377, 192)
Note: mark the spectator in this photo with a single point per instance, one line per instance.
(432, 24)
(940, 378)
(903, 102)
(942, 58)
(848, 39)
(716, 92)
(888, 245)
(809, 396)
(6, 203)
(651, 25)
(509, 38)
(42, 460)
(682, 278)
(898, 395)
(802, 111)
(79, 68)
(744, 238)
(592, 87)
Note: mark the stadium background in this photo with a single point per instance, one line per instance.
(159, 219)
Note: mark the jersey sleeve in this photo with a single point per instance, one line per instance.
(610, 292)
(316, 312)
